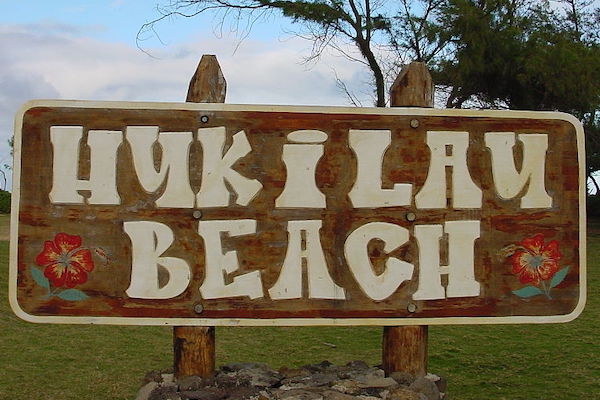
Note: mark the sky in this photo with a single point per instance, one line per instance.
(63, 49)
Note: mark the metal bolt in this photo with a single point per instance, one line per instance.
(411, 308)
(204, 119)
(410, 216)
(414, 123)
(198, 308)
(197, 214)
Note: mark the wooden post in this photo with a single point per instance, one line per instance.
(194, 346)
(405, 347)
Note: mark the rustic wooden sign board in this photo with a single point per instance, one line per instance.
(212, 214)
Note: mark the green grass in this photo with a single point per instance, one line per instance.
(480, 362)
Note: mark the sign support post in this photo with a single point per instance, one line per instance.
(405, 347)
(194, 346)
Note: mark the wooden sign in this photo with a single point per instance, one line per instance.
(212, 214)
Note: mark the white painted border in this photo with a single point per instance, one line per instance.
(14, 229)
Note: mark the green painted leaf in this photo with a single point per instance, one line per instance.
(528, 291)
(72, 295)
(559, 277)
(39, 278)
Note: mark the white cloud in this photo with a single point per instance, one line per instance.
(59, 61)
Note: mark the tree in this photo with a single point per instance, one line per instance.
(372, 32)
(519, 54)
(525, 54)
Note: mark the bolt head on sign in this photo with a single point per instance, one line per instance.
(212, 214)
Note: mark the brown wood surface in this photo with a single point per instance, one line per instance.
(502, 221)
(413, 87)
(194, 351)
(208, 83)
(405, 347)
(194, 347)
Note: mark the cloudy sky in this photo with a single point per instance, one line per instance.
(63, 49)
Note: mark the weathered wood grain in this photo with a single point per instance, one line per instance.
(503, 222)
(194, 351)
(194, 347)
(405, 347)
(413, 87)
(208, 84)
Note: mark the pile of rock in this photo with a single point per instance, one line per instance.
(324, 381)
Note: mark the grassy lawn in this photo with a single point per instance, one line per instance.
(480, 362)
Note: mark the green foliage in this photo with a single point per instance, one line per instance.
(525, 55)
(593, 206)
(519, 57)
(5, 199)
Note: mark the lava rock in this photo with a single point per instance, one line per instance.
(145, 390)
(403, 378)
(427, 387)
(323, 381)
(191, 383)
(403, 393)
(165, 393)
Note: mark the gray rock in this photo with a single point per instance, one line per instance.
(234, 367)
(347, 386)
(156, 375)
(375, 378)
(204, 394)
(298, 394)
(294, 372)
(259, 377)
(165, 393)
(231, 379)
(334, 395)
(403, 393)
(321, 367)
(352, 369)
(191, 383)
(309, 380)
(168, 379)
(439, 381)
(357, 365)
(427, 387)
(243, 392)
(403, 378)
(145, 390)
(323, 381)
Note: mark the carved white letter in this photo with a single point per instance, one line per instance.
(102, 183)
(507, 180)
(465, 194)
(301, 160)
(149, 240)
(369, 147)
(461, 260)
(377, 287)
(174, 164)
(218, 264)
(320, 284)
(217, 168)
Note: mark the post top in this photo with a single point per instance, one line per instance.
(208, 85)
(413, 87)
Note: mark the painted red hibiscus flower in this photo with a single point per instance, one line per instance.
(65, 262)
(534, 261)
